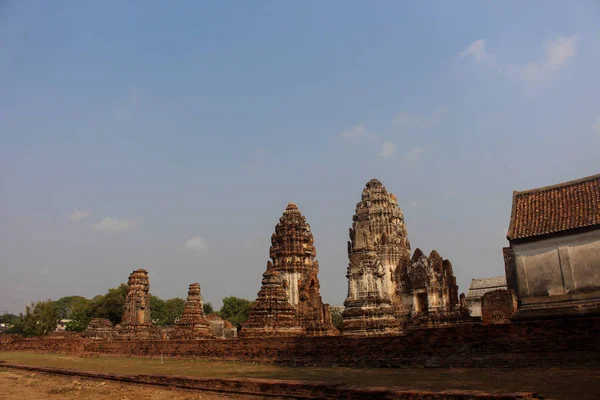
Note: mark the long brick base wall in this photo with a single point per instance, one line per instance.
(574, 342)
(285, 388)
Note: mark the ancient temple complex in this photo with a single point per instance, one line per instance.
(290, 293)
(193, 324)
(387, 288)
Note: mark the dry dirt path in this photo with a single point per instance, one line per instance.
(22, 385)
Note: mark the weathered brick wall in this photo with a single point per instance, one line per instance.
(574, 342)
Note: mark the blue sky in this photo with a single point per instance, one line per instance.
(171, 136)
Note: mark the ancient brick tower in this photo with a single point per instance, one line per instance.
(137, 301)
(293, 259)
(378, 243)
(193, 323)
(272, 314)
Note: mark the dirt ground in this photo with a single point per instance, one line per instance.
(24, 385)
(553, 382)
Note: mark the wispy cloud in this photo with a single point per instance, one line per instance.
(557, 53)
(114, 224)
(355, 134)
(196, 243)
(478, 52)
(388, 149)
(78, 215)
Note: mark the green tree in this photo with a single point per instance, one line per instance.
(166, 312)
(208, 308)
(236, 310)
(173, 310)
(9, 319)
(40, 318)
(336, 318)
(158, 310)
(111, 305)
(81, 314)
(66, 305)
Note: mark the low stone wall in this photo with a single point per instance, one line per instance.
(565, 343)
(284, 388)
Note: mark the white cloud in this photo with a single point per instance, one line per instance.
(413, 155)
(388, 149)
(196, 243)
(114, 224)
(558, 52)
(478, 52)
(45, 270)
(355, 134)
(78, 215)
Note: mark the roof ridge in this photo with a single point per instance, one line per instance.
(557, 185)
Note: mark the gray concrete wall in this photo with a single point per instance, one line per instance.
(558, 266)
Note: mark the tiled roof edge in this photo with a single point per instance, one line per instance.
(511, 227)
(556, 186)
(513, 213)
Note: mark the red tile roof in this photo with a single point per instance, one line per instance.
(551, 209)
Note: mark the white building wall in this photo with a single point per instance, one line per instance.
(559, 265)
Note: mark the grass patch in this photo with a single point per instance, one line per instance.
(552, 382)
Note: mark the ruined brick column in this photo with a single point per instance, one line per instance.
(193, 323)
(137, 302)
(378, 243)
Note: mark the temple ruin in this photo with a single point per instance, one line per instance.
(427, 285)
(99, 329)
(289, 302)
(136, 321)
(378, 241)
(387, 288)
(137, 301)
(193, 324)
(272, 314)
